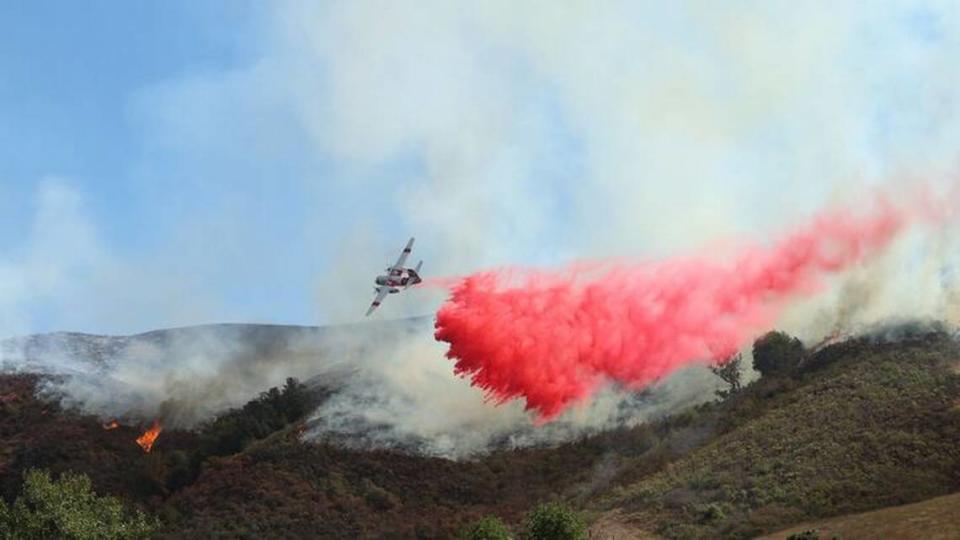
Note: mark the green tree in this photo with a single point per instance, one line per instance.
(232, 431)
(729, 372)
(296, 399)
(553, 521)
(776, 353)
(486, 528)
(68, 508)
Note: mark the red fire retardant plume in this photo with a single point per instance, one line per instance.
(553, 337)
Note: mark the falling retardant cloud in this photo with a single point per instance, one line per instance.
(554, 338)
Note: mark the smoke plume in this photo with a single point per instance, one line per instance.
(387, 383)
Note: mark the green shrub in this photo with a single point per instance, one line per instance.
(68, 508)
(712, 513)
(553, 521)
(486, 528)
(776, 353)
(729, 372)
(232, 431)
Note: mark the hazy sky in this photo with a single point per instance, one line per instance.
(179, 162)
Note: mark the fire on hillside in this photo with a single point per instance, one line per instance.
(150, 436)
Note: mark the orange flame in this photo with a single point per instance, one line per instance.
(113, 424)
(147, 439)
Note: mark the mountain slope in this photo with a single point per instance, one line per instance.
(876, 426)
(862, 424)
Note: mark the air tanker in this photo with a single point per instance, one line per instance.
(397, 278)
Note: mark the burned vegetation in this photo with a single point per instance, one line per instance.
(854, 425)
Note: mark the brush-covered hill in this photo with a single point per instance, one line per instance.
(863, 424)
(247, 474)
(860, 425)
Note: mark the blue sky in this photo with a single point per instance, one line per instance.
(68, 73)
(71, 75)
(170, 163)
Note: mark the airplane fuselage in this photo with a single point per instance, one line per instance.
(396, 279)
(391, 281)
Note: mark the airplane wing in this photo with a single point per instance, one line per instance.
(381, 293)
(403, 256)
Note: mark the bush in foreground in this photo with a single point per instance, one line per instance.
(553, 521)
(68, 508)
(776, 353)
(486, 528)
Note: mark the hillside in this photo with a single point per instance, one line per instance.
(862, 424)
(278, 483)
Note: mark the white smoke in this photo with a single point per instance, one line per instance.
(390, 386)
(62, 250)
(183, 376)
(404, 396)
(65, 270)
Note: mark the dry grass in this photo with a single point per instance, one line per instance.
(933, 519)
